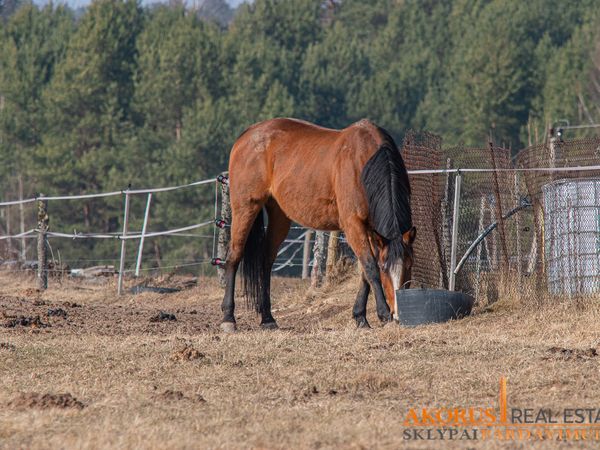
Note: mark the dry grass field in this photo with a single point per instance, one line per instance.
(95, 371)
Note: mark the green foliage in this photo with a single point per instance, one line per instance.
(30, 45)
(151, 97)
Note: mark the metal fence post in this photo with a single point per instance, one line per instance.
(455, 217)
(123, 244)
(42, 244)
(142, 238)
(478, 260)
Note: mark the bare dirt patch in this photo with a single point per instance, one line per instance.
(45, 401)
(23, 321)
(7, 346)
(163, 316)
(57, 312)
(572, 353)
(71, 305)
(170, 395)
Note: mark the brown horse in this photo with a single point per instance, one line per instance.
(352, 180)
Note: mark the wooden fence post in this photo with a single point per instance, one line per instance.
(518, 225)
(318, 259)
(42, 244)
(225, 230)
(332, 252)
(499, 214)
(306, 254)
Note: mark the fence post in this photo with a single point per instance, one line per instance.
(455, 217)
(332, 252)
(42, 244)
(499, 215)
(478, 260)
(318, 257)
(518, 225)
(494, 260)
(123, 244)
(445, 215)
(225, 231)
(22, 220)
(306, 254)
(138, 264)
(9, 248)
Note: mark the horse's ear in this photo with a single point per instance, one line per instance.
(409, 236)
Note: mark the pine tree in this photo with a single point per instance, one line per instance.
(31, 46)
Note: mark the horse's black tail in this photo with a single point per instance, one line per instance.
(254, 263)
(388, 191)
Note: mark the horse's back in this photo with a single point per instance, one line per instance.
(301, 165)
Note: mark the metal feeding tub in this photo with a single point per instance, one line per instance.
(423, 306)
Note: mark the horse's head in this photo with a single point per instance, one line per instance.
(395, 260)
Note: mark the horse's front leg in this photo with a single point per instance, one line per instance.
(228, 305)
(359, 312)
(357, 235)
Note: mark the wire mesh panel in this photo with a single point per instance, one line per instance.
(429, 206)
(491, 200)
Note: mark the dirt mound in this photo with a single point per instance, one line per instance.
(57, 312)
(33, 322)
(71, 305)
(45, 401)
(187, 353)
(31, 292)
(163, 317)
(571, 354)
(171, 395)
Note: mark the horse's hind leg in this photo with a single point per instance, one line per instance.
(243, 219)
(277, 230)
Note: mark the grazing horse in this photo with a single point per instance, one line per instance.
(353, 180)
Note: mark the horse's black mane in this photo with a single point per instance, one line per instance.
(388, 195)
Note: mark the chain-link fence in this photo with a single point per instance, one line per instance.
(528, 224)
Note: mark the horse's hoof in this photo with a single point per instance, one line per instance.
(269, 325)
(386, 319)
(362, 323)
(228, 327)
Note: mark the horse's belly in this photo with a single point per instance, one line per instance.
(310, 205)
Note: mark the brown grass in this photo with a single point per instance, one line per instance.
(316, 383)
